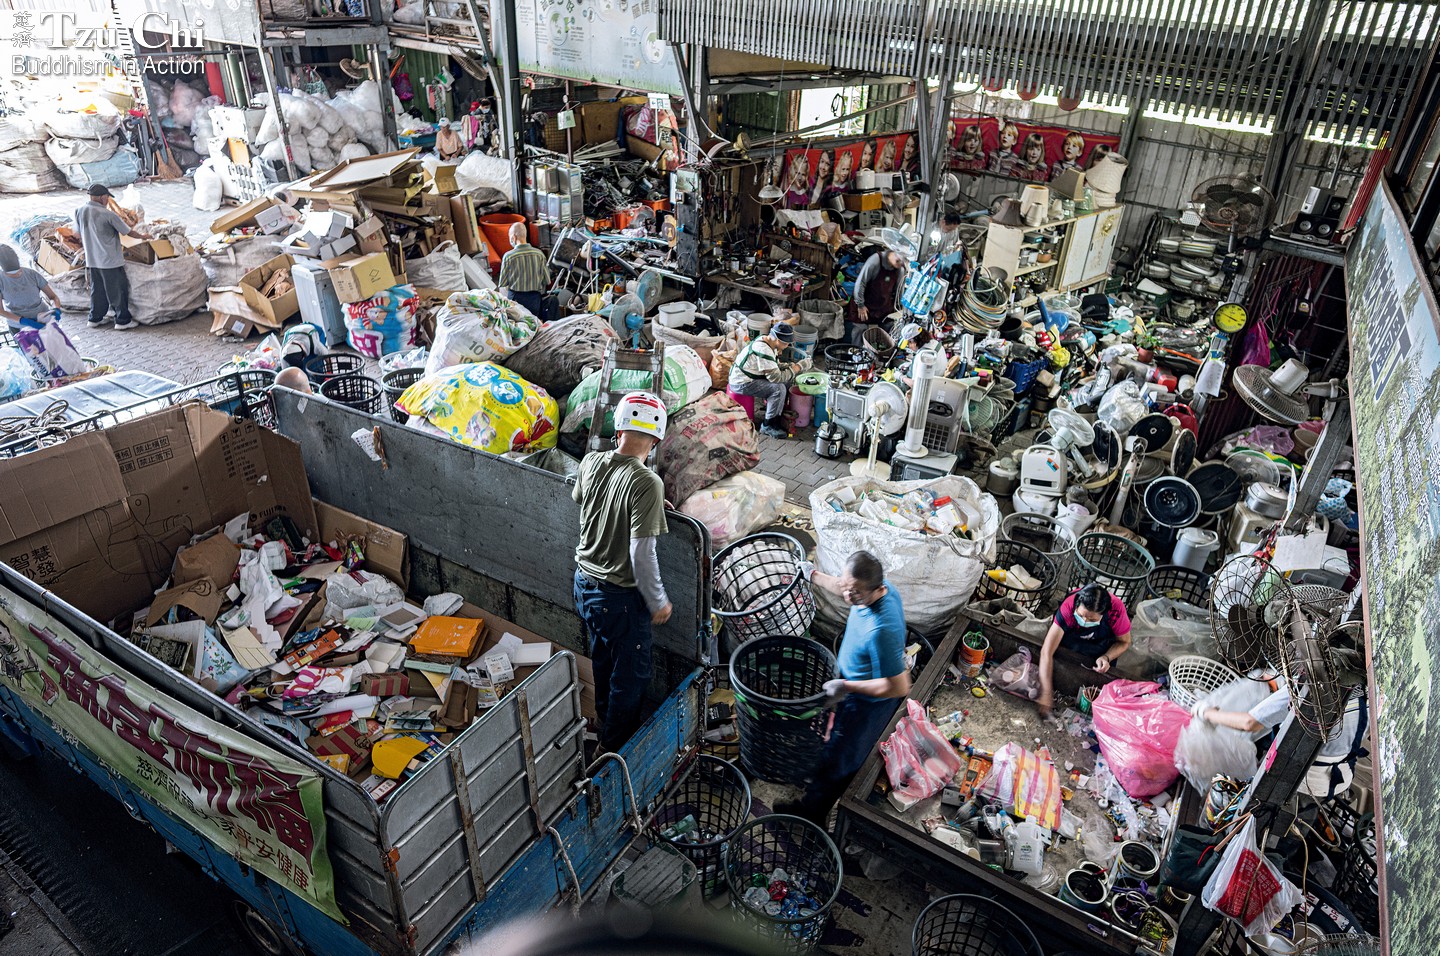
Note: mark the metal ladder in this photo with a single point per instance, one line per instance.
(617, 359)
(126, 42)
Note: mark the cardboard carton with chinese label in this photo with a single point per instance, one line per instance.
(358, 278)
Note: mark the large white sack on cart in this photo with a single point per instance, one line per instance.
(166, 290)
(474, 327)
(935, 575)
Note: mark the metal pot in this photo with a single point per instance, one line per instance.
(1004, 477)
(1266, 500)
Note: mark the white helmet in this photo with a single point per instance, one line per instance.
(641, 412)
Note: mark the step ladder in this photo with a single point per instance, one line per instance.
(618, 359)
(125, 41)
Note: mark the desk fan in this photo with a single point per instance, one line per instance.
(885, 415)
(627, 318)
(1070, 432)
(1282, 395)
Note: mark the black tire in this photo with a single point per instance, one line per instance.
(260, 932)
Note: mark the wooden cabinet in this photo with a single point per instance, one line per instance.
(1086, 246)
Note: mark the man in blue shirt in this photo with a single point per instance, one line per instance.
(873, 680)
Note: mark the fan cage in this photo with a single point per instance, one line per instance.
(1317, 698)
(1239, 591)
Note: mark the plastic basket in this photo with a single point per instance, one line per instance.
(807, 855)
(759, 590)
(843, 359)
(1179, 584)
(716, 796)
(1045, 534)
(1192, 677)
(779, 685)
(230, 389)
(972, 926)
(1116, 563)
(1357, 884)
(355, 391)
(1023, 373)
(395, 382)
(321, 368)
(1033, 560)
(657, 879)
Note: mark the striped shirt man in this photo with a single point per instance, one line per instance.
(524, 269)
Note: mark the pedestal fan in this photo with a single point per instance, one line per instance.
(923, 374)
(885, 408)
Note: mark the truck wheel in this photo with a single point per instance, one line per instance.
(261, 932)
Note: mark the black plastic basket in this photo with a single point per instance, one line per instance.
(321, 368)
(1046, 533)
(1180, 584)
(357, 392)
(1357, 884)
(715, 794)
(759, 590)
(1118, 564)
(807, 855)
(779, 685)
(963, 925)
(235, 384)
(1034, 561)
(395, 382)
(843, 359)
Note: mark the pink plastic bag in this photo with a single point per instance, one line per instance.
(918, 761)
(1138, 730)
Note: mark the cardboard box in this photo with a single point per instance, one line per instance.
(318, 249)
(863, 202)
(385, 685)
(386, 551)
(146, 251)
(99, 518)
(270, 311)
(347, 749)
(443, 177)
(1068, 185)
(448, 637)
(243, 215)
(370, 235)
(273, 220)
(50, 261)
(496, 627)
(467, 227)
(358, 278)
(228, 323)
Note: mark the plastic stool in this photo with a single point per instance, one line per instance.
(747, 402)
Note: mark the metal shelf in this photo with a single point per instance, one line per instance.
(1036, 268)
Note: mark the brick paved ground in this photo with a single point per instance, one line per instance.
(185, 351)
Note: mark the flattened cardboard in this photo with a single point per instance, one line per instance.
(50, 261)
(496, 627)
(240, 216)
(364, 169)
(467, 228)
(215, 558)
(203, 597)
(386, 551)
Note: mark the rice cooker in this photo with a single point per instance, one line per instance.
(829, 440)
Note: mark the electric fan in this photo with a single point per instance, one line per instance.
(1239, 205)
(1241, 618)
(885, 414)
(649, 287)
(923, 373)
(1069, 432)
(627, 318)
(1281, 394)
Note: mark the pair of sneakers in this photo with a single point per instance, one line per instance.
(774, 427)
(119, 326)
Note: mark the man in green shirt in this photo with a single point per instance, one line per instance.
(618, 591)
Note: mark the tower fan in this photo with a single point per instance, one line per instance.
(1239, 205)
(923, 373)
(1281, 394)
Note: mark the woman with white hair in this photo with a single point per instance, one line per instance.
(524, 272)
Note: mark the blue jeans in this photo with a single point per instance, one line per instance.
(617, 628)
(859, 722)
(771, 393)
(534, 301)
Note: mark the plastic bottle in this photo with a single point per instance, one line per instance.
(1027, 847)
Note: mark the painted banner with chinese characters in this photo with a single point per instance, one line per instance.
(262, 807)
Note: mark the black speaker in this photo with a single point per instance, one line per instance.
(1319, 216)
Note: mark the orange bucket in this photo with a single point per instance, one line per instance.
(496, 228)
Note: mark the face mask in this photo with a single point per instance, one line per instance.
(1084, 623)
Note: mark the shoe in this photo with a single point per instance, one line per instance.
(128, 325)
(96, 323)
(773, 430)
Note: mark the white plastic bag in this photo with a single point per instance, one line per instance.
(936, 576)
(736, 506)
(16, 375)
(209, 188)
(441, 269)
(1018, 675)
(1205, 750)
(50, 352)
(1247, 887)
(478, 327)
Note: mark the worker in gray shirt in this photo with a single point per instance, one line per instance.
(100, 231)
(877, 292)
